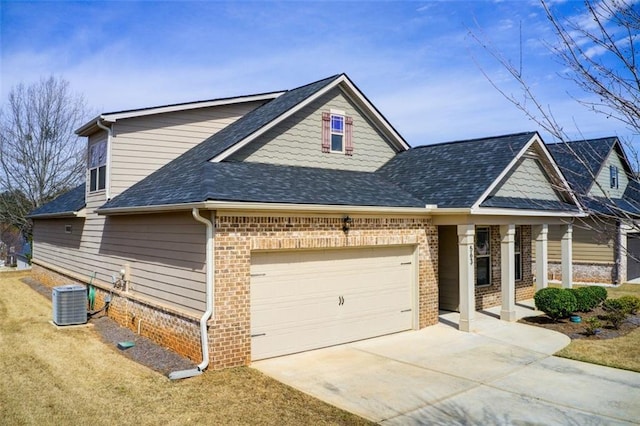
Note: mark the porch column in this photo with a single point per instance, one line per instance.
(467, 276)
(541, 233)
(508, 272)
(567, 256)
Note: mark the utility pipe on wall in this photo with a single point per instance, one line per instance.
(204, 335)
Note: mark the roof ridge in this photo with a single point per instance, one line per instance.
(475, 139)
(583, 140)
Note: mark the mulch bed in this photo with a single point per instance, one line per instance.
(578, 330)
(144, 352)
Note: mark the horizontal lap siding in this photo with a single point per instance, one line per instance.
(144, 144)
(166, 253)
(592, 242)
(297, 140)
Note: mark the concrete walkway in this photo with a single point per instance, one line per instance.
(503, 373)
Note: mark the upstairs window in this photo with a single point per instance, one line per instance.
(337, 133)
(613, 177)
(97, 166)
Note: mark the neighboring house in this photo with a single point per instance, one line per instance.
(606, 244)
(321, 225)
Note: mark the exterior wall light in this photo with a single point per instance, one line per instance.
(346, 224)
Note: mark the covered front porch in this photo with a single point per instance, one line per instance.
(486, 262)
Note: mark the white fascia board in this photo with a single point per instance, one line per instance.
(113, 117)
(372, 111)
(189, 106)
(558, 172)
(502, 174)
(480, 211)
(280, 207)
(70, 214)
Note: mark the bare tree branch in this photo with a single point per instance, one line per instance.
(40, 156)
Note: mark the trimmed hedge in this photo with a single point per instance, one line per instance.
(589, 298)
(556, 302)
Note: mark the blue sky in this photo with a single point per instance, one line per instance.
(414, 60)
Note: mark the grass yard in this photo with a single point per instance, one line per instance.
(69, 376)
(621, 352)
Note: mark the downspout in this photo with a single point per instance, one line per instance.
(107, 189)
(204, 335)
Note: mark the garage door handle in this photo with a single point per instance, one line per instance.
(340, 300)
(406, 310)
(259, 334)
(405, 263)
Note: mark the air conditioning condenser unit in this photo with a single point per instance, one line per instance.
(69, 304)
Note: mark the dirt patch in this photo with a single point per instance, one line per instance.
(144, 351)
(578, 330)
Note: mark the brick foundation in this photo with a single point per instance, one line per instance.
(586, 272)
(164, 326)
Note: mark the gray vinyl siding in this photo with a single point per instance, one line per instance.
(528, 180)
(593, 242)
(141, 145)
(166, 253)
(603, 182)
(297, 141)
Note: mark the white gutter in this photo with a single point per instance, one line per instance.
(210, 282)
(107, 188)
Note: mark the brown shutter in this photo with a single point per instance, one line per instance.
(326, 132)
(348, 136)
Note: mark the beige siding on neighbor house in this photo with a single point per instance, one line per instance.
(141, 145)
(593, 242)
(297, 140)
(603, 182)
(527, 180)
(166, 253)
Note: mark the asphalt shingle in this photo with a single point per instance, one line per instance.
(454, 174)
(69, 202)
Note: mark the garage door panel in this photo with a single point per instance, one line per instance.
(310, 299)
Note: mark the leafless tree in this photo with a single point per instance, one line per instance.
(40, 156)
(598, 53)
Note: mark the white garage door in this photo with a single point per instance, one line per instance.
(311, 299)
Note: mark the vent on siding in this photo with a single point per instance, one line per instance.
(69, 304)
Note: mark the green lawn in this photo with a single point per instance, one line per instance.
(70, 377)
(621, 352)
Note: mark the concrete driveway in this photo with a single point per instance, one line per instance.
(501, 374)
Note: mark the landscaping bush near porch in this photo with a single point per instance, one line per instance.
(596, 339)
(557, 303)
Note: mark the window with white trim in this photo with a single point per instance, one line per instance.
(517, 248)
(97, 166)
(483, 255)
(337, 133)
(613, 177)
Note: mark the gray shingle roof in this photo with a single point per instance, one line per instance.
(454, 174)
(69, 203)
(267, 183)
(580, 161)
